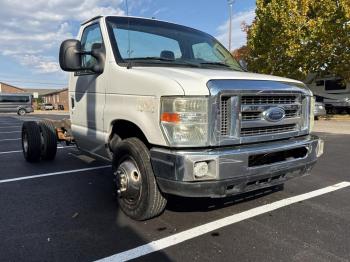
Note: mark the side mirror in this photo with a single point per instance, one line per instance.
(243, 64)
(98, 52)
(70, 55)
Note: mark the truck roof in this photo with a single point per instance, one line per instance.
(124, 16)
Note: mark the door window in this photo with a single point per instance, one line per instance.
(91, 35)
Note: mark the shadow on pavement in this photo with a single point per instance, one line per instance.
(181, 204)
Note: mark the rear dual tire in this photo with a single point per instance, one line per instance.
(39, 141)
(31, 141)
(49, 140)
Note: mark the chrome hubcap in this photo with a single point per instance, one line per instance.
(128, 180)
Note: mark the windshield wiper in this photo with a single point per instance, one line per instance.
(215, 64)
(151, 58)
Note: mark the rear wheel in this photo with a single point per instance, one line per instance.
(31, 141)
(49, 140)
(138, 194)
(21, 112)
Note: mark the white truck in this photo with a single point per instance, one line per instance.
(176, 114)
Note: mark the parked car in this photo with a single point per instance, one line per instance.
(319, 110)
(176, 115)
(47, 106)
(19, 103)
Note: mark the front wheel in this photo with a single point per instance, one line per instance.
(138, 194)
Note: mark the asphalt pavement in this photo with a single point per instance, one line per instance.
(66, 210)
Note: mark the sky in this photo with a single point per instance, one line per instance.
(31, 31)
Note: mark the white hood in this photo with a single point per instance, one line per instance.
(194, 80)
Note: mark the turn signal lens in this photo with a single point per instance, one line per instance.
(170, 117)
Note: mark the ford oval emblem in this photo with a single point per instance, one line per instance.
(274, 114)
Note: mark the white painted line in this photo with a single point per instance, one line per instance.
(206, 228)
(10, 139)
(20, 151)
(9, 126)
(10, 152)
(53, 174)
(9, 132)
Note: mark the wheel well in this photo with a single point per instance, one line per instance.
(125, 129)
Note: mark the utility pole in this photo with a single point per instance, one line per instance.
(230, 4)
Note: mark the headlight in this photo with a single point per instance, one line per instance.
(184, 120)
(312, 114)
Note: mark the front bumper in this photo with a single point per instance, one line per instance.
(233, 170)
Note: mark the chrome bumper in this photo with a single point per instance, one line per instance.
(231, 170)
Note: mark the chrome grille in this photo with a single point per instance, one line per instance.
(224, 116)
(249, 115)
(258, 115)
(254, 123)
(266, 130)
(263, 100)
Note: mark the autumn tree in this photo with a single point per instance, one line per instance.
(296, 37)
(241, 53)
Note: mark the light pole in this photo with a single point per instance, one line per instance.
(230, 4)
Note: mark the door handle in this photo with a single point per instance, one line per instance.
(72, 102)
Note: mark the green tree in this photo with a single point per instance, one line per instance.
(296, 37)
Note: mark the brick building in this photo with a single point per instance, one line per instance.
(57, 98)
(6, 88)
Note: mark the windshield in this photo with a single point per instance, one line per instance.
(149, 42)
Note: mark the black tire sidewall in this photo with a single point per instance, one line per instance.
(49, 148)
(134, 149)
(32, 131)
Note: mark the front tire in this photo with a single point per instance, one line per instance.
(138, 194)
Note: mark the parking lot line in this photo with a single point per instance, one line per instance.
(9, 126)
(53, 174)
(9, 132)
(209, 227)
(11, 122)
(20, 151)
(10, 139)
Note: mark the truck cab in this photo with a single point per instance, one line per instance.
(176, 114)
